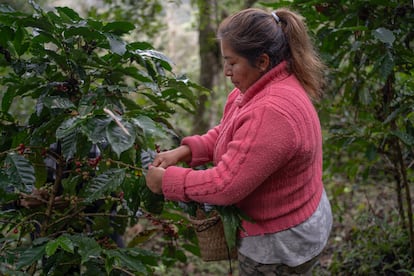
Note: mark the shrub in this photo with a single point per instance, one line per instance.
(71, 175)
(374, 246)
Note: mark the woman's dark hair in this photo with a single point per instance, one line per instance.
(253, 32)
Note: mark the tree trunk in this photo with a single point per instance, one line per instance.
(209, 61)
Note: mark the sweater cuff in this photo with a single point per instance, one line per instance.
(198, 153)
(173, 183)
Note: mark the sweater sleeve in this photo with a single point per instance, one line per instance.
(263, 141)
(202, 147)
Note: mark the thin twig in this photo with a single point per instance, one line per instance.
(106, 215)
(26, 220)
(127, 165)
(66, 217)
(123, 270)
(112, 115)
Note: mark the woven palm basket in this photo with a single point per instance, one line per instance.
(211, 238)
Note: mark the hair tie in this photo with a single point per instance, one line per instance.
(277, 19)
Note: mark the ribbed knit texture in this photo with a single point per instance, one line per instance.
(267, 154)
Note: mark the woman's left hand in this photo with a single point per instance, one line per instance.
(154, 179)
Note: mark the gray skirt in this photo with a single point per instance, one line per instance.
(295, 246)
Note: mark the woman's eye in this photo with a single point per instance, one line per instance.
(226, 62)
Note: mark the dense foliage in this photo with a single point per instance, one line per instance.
(71, 174)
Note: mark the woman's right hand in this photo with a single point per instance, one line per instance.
(172, 157)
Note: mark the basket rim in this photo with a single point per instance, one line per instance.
(203, 224)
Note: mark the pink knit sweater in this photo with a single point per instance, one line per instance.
(267, 155)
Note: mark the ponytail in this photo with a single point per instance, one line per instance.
(305, 62)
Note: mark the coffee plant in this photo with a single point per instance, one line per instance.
(82, 107)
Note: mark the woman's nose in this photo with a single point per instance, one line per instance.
(227, 71)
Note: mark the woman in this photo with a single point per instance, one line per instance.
(267, 149)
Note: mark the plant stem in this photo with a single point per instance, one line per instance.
(106, 215)
(65, 218)
(123, 270)
(406, 187)
(58, 179)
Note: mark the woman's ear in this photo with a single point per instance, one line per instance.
(263, 62)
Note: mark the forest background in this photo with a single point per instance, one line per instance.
(366, 114)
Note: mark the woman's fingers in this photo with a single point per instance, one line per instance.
(156, 161)
(163, 160)
(154, 179)
(159, 161)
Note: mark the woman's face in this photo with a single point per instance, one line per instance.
(238, 68)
